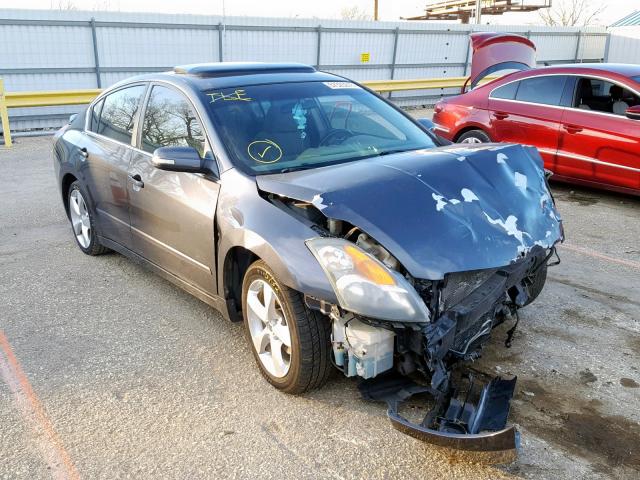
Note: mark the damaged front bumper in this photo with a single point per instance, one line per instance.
(469, 410)
(474, 419)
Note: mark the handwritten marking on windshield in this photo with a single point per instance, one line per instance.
(238, 95)
(264, 151)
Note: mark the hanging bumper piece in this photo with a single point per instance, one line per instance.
(472, 417)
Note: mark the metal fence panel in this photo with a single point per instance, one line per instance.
(48, 49)
(624, 45)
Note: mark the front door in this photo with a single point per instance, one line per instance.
(172, 213)
(598, 142)
(110, 129)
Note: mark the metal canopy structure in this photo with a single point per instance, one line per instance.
(630, 20)
(464, 10)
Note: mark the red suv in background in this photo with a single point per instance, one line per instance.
(583, 118)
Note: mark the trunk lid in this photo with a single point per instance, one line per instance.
(493, 52)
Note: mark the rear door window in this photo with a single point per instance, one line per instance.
(546, 90)
(170, 121)
(119, 112)
(506, 92)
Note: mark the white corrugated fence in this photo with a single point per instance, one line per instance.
(55, 50)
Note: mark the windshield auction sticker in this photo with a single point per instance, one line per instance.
(264, 151)
(340, 85)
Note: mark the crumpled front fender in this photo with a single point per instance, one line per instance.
(245, 219)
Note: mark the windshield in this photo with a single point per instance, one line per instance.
(291, 126)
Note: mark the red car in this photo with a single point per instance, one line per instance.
(583, 118)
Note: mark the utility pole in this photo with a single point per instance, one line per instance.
(478, 12)
(375, 10)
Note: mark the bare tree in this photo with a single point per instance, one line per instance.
(66, 5)
(354, 13)
(570, 13)
(102, 5)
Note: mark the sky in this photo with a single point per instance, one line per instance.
(388, 9)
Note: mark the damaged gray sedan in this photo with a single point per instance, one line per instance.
(340, 230)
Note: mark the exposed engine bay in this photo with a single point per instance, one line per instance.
(396, 360)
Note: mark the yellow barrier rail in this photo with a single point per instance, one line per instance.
(4, 115)
(383, 86)
(57, 98)
(52, 98)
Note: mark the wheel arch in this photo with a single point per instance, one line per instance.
(65, 186)
(236, 263)
(296, 268)
(468, 128)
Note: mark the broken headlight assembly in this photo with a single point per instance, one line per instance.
(364, 285)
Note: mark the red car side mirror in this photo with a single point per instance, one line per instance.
(633, 112)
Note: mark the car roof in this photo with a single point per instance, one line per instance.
(208, 76)
(623, 69)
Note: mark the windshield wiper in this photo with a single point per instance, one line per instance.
(397, 150)
(296, 169)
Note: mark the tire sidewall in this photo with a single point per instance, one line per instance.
(539, 280)
(93, 240)
(259, 270)
(479, 134)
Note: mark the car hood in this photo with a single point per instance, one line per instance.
(440, 210)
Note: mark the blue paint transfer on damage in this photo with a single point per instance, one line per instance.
(441, 210)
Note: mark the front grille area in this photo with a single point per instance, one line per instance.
(460, 285)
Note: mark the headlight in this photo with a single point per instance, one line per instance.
(364, 285)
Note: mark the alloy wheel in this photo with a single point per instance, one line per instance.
(471, 140)
(80, 220)
(269, 329)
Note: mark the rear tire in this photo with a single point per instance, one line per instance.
(474, 136)
(82, 222)
(305, 363)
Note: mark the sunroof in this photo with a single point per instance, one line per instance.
(224, 69)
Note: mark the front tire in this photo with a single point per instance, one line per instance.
(289, 341)
(82, 223)
(536, 283)
(474, 136)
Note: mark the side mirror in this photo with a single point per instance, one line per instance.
(427, 124)
(633, 112)
(177, 159)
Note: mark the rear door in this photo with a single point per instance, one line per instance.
(172, 213)
(111, 126)
(597, 144)
(529, 112)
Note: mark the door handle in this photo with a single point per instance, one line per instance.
(572, 128)
(500, 115)
(84, 153)
(137, 181)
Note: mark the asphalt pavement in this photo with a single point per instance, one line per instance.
(108, 371)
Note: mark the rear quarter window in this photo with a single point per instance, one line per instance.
(506, 92)
(94, 116)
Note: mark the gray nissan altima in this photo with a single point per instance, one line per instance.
(341, 231)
